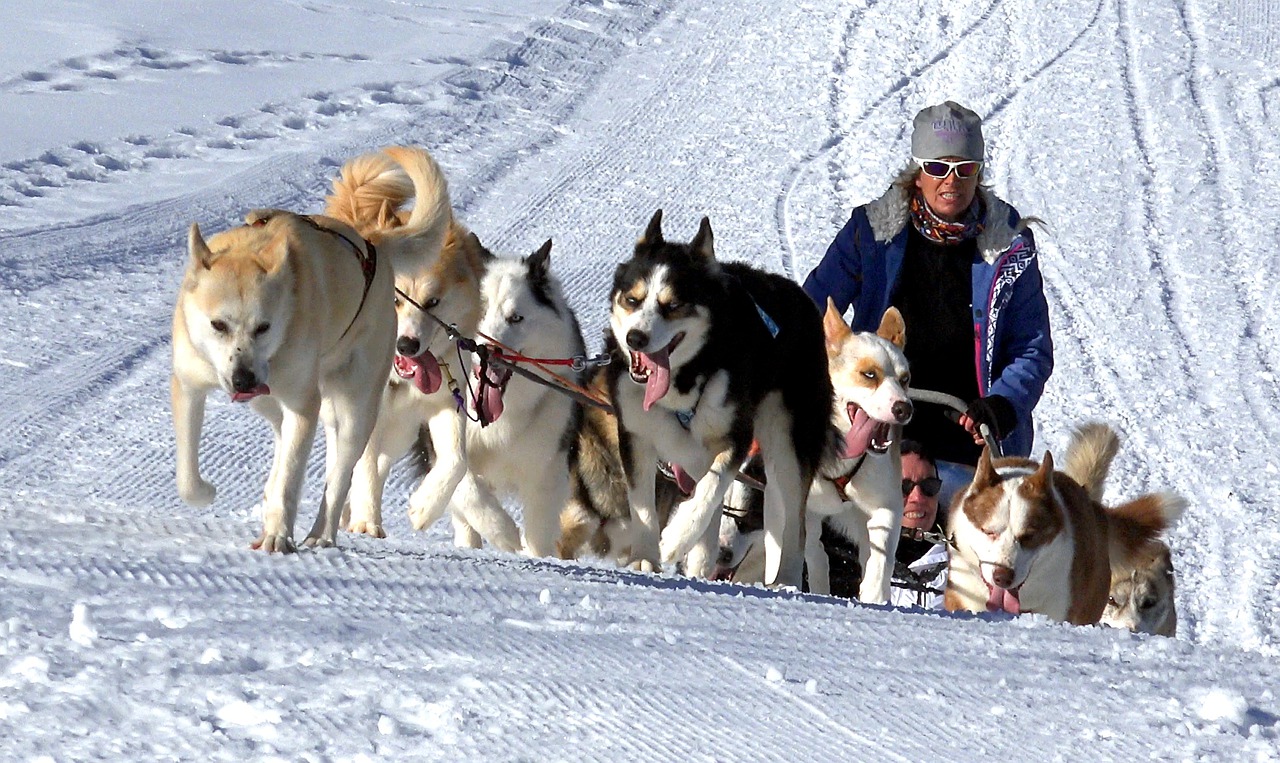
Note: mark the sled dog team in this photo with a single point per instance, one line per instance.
(353, 318)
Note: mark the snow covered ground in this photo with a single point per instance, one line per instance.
(132, 627)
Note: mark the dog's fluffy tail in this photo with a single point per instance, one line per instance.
(432, 208)
(1136, 524)
(1089, 455)
(369, 192)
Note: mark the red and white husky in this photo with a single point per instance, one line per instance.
(1027, 538)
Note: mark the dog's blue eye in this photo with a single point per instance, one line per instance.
(869, 374)
(262, 329)
(515, 318)
(630, 301)
(430, 303)
(219, 326)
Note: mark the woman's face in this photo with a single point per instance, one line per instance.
(919, 511)
(951, 196)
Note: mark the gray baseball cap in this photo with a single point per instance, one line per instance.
(947, 129)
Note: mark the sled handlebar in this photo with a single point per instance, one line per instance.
(959, 406)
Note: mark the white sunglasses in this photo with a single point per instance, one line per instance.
(940, 168)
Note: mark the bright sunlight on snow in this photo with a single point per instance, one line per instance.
(1146, 133)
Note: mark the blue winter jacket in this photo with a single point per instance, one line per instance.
(1012, 346)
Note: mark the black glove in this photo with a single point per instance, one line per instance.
(996, 412)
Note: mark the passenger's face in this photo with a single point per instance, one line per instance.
(919, 511)
(948, 197)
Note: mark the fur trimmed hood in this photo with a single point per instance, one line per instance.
(889, 215)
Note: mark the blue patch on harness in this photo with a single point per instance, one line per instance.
(768, 322)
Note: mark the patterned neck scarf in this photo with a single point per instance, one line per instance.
(940, 231)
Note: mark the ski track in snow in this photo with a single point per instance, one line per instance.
(533, 136)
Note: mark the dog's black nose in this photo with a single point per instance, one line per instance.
(243, 380)
(637, 339)
(902, 411)
(408, 346)
(724, 557)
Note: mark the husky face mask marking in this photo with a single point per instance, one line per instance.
(239, 313)
(655, 315)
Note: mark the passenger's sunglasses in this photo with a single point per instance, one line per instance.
(940, 168)
(929, 486)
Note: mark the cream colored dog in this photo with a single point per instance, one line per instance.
(294, 314)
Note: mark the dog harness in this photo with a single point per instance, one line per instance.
(366, 256)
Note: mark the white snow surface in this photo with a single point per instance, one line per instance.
(1146, 133)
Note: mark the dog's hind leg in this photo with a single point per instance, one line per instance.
(785, 496)
(392, 437)
(350, 412)
(817, 564)
(188, 420)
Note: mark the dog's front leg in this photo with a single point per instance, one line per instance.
(690, 519)
(544, 498)
(641, 466)
(297, 433)
(449, 441)
(475, 504)
(884, 525)
(188, 421)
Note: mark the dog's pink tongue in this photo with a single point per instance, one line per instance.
(427, 376)
(685, 482)
(658, 364)
(492, 395)
(1003, 600)
(858, 438)
(244, 397)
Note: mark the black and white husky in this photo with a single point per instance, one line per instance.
(714, 356)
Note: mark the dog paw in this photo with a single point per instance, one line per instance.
(271, 543)
(199, 494)
(673, 547)
(646, 565)
(367, 527)
(318, 541)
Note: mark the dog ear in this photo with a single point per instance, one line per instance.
(539, 262)
(985, 475)
(201, 256)
(703, 242)
(893, 327)
(653, 233)
(1043, 477)
(833, 327)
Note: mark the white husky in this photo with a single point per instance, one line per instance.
(293, 314)
(858, 495)
(520, 445)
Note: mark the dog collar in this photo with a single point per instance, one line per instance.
(843, 482)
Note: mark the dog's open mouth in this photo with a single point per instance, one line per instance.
(865, 433)
(423, 370)
(1003, 599)
(492, 380)
(244, 397)
(653, 370)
